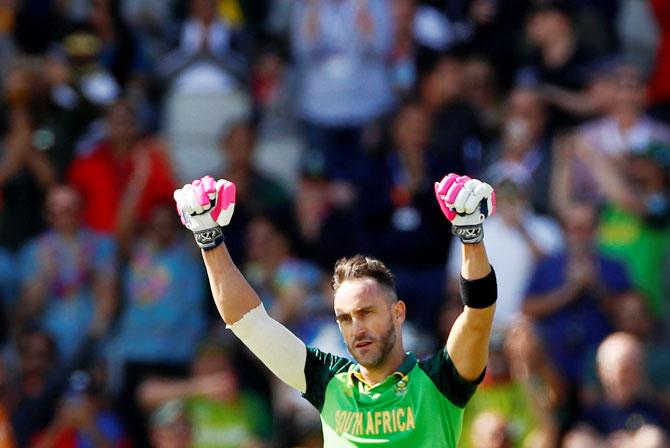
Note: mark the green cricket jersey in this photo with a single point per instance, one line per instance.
(420, 405)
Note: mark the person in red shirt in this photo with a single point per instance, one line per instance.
(113, 178)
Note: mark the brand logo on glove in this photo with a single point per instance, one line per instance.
(208, 236)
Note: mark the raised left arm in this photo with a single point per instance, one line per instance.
(467, 203)
(468, 342)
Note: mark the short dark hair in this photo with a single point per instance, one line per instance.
(359, 267)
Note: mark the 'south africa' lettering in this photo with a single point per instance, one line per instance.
(360, 423)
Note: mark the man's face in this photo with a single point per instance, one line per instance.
(490, 430)
(238, 145)
(525, 121)
(35, 355)
(63, 209)
(205, 10)
(122, 123)
(621, 374)
(580, 227)
(545, 26)
(369, 321)
(178, 434)
(411, 130)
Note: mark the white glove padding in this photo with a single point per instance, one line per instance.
(205, 206)
(466, 203)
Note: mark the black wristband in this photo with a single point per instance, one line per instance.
(209, 239)
(480, 293)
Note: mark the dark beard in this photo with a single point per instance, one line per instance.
(387, 341)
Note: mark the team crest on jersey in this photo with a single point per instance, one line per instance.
(400, 388)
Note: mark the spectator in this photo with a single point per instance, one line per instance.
(30, 403)
(481, 86)
(583, 437)
(496, 29)
(342, 48)
(210, 52)
(490, 28)
(635, 217)
(631, 315)
(163, 318)
(521, 386)
(569, 292)
(206, 76)
(325, 215)
(171, 427)
(288, 285)
(273, 87)
(126, 160)
(491, 430)
(82, 48)
(70, 97)
(271, 75)
(649, 436)
(525, 142)
(517, 233)
(122, 54)
(65, 272)
(401, 223)
(405, 48)
(621, 372)
(456, 131)
(560, 65)
(256, 190)
(159, 300)
(532, 367)
(25, 172)
(221, 414)
(625, 128)
(42, 376)
(83, 418)
(601, 87)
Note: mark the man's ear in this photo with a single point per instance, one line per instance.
(399, 311)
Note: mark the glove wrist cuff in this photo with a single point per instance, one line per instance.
(210, 238)
(469, 234)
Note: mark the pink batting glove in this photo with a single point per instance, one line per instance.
(466, 203)
(205, 206)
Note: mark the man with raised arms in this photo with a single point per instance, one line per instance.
(386, 397)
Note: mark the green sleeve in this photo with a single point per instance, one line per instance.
(441, 370)
(320, 368)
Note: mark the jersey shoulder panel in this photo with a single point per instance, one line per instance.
(442, 372)
(320, 368)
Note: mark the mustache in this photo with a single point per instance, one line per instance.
(364, 338)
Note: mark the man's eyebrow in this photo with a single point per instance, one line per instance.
(354, 311)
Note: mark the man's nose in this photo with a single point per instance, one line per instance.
(358, 327)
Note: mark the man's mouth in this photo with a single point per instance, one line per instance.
(362, 344)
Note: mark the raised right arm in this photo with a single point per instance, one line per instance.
(233, 296)
(206, 207)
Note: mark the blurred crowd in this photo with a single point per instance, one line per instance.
(334, 118)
